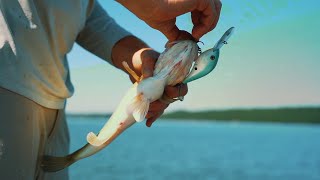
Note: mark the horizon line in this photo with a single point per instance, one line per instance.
(212, 109)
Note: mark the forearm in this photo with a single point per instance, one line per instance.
(146, 6)
(128, 49)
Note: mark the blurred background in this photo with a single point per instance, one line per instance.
(271, 59)
(255, 117)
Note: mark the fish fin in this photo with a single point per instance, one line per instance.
(53, 164)
(94, 140)
(140, 113)
(139, 107)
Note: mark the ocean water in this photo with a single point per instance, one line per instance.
(183, 150)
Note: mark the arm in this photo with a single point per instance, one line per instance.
(103, 37)
(100, 33)
(106, 39)
(161, 15)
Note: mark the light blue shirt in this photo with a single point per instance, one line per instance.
(35, 37)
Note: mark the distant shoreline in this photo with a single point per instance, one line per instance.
(283, 115)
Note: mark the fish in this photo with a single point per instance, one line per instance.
(172, 67)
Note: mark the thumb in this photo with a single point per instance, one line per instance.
(149, 59)
(169, 29)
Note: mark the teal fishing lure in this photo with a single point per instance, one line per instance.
(208, 60)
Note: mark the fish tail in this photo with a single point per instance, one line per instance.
(53, 164)
(94, 140)
(139, 107)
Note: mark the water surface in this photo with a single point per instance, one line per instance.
(203, 150)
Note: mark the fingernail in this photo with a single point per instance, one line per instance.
(148, 124)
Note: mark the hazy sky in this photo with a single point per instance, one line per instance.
(271, 60)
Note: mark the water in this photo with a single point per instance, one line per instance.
(201, 150)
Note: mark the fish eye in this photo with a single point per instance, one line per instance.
(195, 68)
(212, 57)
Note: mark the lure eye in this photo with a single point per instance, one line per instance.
(212, 57)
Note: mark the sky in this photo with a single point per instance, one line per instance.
(270, 61)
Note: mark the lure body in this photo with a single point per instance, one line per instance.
(208, 60)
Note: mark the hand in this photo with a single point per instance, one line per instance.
(161, 15)
(144, 61)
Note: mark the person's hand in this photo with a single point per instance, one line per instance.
(143, 62)
(161, 15)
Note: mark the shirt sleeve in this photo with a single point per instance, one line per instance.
(100, 33)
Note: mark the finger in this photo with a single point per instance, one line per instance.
(173, 91)
(151, 120)
(157, 106)
(184, 35)
(218, 6)
(195, 17)
(149, 58)
(206, 19)
(169, 29)
(150, 114)
(207, 23)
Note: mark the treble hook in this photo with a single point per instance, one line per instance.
(200, 42)
(199, 49)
